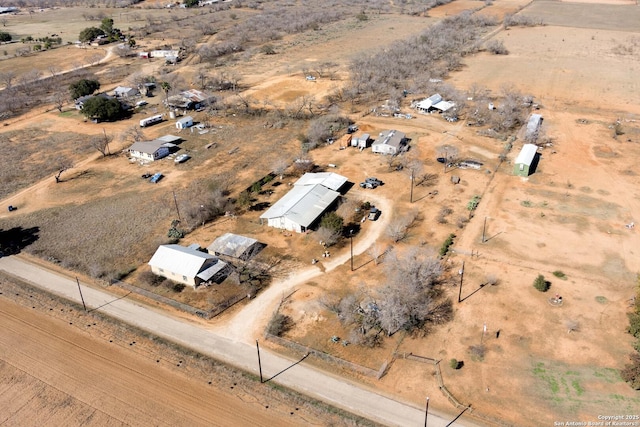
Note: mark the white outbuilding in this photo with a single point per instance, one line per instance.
(184, 122)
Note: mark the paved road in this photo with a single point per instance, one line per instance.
(303, 378)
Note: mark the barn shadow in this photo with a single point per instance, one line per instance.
(14, 240)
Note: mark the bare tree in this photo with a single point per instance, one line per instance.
(59, 98)
(375, 252)
(63, 164)
(491, 279)
(399, 227)
(572, 325)
(280, 166)
(7, 77)
(101, 143)
(408, 301)
(133, 134)
(328, 236)
(53, 70)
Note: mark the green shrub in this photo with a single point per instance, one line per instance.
(560, 275)
(447, 243)
(473, 203)
(454, 364)
(541, 283)
(634, 324)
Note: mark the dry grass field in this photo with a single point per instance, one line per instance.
(568, 218)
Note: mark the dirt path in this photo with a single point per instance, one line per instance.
(248, 322)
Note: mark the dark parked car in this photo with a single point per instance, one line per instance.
(441, 160)
(374, 214)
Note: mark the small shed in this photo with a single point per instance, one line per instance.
(361, 141)
(235, 246)
(533, 127)
(524, 164)
(184, 122)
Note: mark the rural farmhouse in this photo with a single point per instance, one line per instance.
(524, 164)
(309, 198)
(186, 265)
(150, 150)
(389, 142)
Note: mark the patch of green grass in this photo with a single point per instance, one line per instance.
(66, 114)
(601, 300)
(609, 375)
(526, 203)
(560, 275)
(576, 373)
(577, 387)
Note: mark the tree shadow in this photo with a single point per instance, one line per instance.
(259, 206)
(14, 240)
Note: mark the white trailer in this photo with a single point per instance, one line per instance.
(151, 120)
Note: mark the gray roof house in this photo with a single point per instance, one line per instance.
(150, 150)
(309, 198)
(235, 246)
(125, 92)
(186, 265)
(389, 142)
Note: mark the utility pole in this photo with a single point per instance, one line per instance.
(351, 239)
(175, 200)
(259, 362)
(426, 412)
(461, 273)
(411, 194)
(81, 297)
(484, 227)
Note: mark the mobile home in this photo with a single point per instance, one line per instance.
(151, 120)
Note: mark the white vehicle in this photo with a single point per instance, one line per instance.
(151, 120)
(141, 103)
(182, 158)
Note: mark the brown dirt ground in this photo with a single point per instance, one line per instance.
(577, 203)
(90, 372)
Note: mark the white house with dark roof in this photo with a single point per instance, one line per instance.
(186, 265)
(305, 203)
